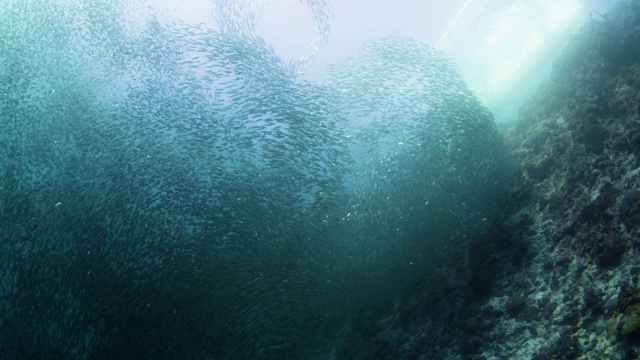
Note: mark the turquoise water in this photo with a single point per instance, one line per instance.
(171, 191)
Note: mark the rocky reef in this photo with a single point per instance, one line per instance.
(559, 278)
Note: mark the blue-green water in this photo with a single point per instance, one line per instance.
(170, 191)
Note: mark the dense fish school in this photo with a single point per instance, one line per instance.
(171, 191)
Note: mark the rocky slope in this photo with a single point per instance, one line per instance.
(559, 278)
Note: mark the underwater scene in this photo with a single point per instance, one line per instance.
(175, 190)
